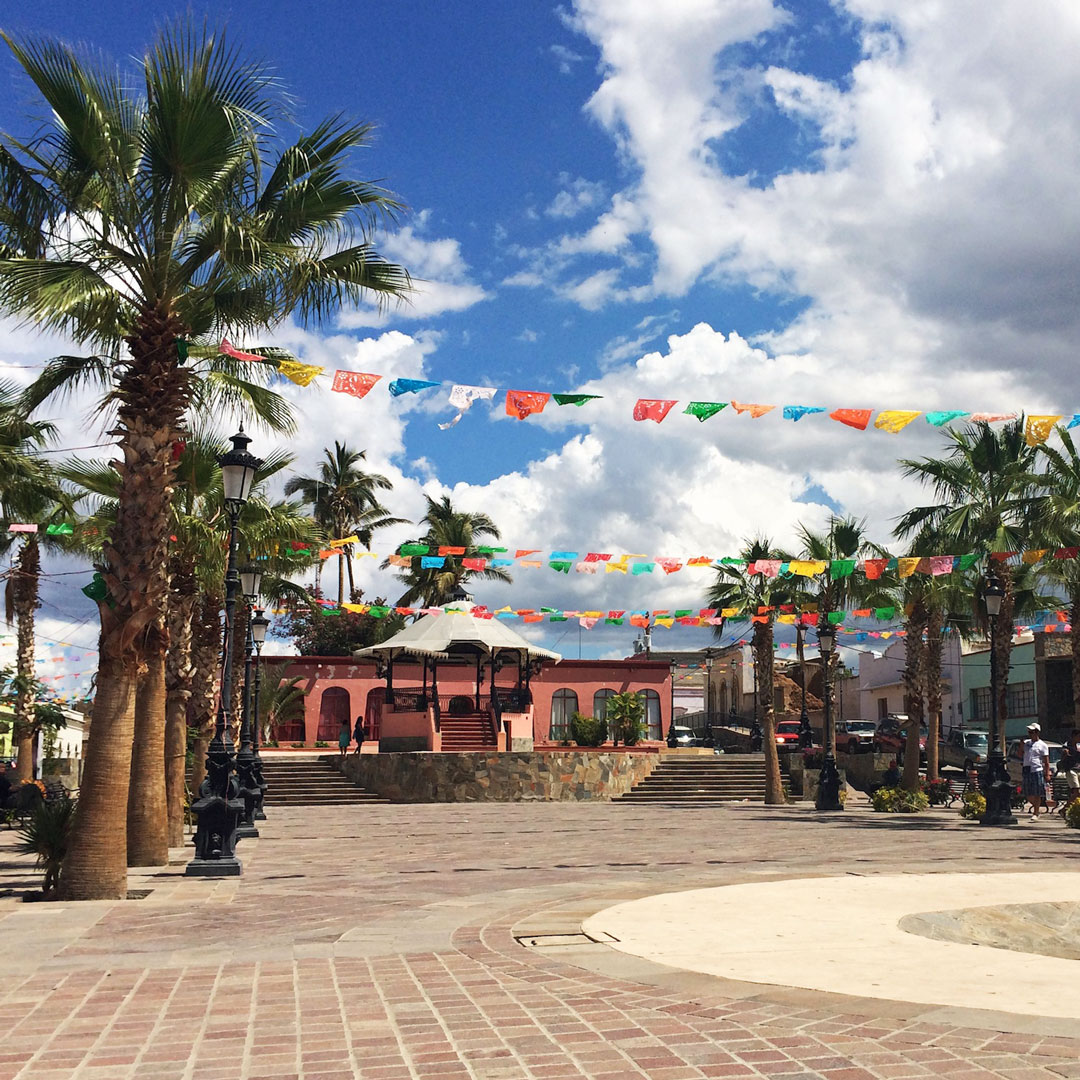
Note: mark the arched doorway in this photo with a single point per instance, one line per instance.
(333, 709)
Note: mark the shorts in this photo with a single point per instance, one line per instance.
(1035, 782)
(1073, 778)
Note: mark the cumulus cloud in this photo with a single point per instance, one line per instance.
(575, 195)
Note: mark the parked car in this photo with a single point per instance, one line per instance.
(891, 736)
(682, 736)
(855, 736)
(964, 748)
(787, 734)
(1014, 757)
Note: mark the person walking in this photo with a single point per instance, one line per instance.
(1036, 769)
(344, 735)
(358, 733)
(1069, 765)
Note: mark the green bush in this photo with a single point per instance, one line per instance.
(937, 791)
(298, 745)
(974, 805)
(45, 834)
(320, 744)
(1072, 814)
(626, 718)
(899, 801)
(588, 730)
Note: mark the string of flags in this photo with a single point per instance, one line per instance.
(522, 404)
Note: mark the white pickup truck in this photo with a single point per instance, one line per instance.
(963, 748)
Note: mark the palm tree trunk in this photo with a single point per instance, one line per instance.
(95, 867)
(178, 675)
(147, 812)
(763, 658)
(913, 684)
(24, 588)
(341, 579)
(349, 567)
(205, 680)
(932, 673)
(153, 392)
(1003, 650)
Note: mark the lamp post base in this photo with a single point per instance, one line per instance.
(227, 867)
(998, 787)
(247, 832)
(828, 793)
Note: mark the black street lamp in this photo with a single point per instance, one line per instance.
(251, 585)
(828, 795)
(806, 732)
(996, 783)
(259, 626)
(217, 808)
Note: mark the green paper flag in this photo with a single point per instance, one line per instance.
(967, 561)
(333, 611)
(835, 617)
(683, 613)
(557, 618)
(842, 568)
(181, 349)
(483, 550)
(97, 589)
(377, 611)
(574, 399)
(560, 566)
(59, 530)
(704, 409)
(727, 560)
(884, 612)
(614, 622)
(413, 549)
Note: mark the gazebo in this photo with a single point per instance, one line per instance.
(464, 638)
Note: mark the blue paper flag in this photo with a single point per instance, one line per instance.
(1074, 421)
(797, 412)
(940, 419)
(409, 386)
(432, 562)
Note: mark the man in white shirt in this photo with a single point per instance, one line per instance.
(1036, 769)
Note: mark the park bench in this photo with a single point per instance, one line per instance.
(958, 789)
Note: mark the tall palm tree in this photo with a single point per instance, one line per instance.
(758, 595)
(983, 486)
(29, 493)
(448, 527)
(154, 209)
(344, 500)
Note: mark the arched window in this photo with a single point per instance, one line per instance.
(333, 711)
(599, 703)
(652, 714)
(563, 707)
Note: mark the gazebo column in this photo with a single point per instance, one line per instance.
(389, 694)
(423, 685)
(495, 710)
(435, 691)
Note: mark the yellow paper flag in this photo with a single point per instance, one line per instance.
(1031, 557)
(294, 371)
(344, 541)
(807, 567)
(894, 420)
(1037, 429)
(906, 566)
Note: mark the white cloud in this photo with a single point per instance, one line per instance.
(566, 58)
(576, 195)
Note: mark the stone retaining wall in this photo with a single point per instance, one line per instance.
(559, 776)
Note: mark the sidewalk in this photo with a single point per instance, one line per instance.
(445, 941)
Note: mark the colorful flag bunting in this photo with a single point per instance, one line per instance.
(29, 528)
(652, 409)
(797, 412)
(462, 398)
(522, 403)
(432, 562)
(409, 386)
(992, 417)
(226, 348)
(574, 399)
(1037, 428)
(755, 411)
(345, 541)
(941, 564)
(841, 568)
(894, 420)
(450, 549)
(59, 530)
(413, 549)
(704, 409)
(856, 418)
(945, 416)
(357, 383)
(298, 373)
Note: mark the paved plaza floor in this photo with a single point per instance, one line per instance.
(446, 941)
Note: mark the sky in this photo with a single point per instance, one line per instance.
(853, 204)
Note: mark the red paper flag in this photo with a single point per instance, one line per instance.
(357, 383)
(522, 403)
(447, 549)
(856, 418)
(1002, 556)
(1066, 553)
(474, 564)
(652, 409)
(874, 568)
(227, 349)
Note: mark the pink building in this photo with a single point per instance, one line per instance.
(340, 688)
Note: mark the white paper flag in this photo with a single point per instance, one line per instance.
(462, 397)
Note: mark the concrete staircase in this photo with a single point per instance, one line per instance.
(701, 780)
(309, 781)
(469, 733)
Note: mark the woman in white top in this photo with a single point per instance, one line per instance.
(1036, 769)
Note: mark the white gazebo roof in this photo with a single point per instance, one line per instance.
(435, 635)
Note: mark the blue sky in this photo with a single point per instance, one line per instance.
(855, 203)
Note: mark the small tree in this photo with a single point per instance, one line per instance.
(626, 718)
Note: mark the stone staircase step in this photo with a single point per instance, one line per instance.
(680, 780)
(311, 782)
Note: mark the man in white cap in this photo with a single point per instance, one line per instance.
(1036, 769)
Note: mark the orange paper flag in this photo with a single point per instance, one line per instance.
(856, 418)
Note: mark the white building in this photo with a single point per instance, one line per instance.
(881, 683)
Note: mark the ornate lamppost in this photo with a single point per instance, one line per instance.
(218, 808)
(996, 783)
(806, 733)
(828, 796)
(250, 584)
(259, 626)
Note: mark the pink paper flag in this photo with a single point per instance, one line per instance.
(357, 383)
(23, 528)
(228, 349)
(652, 409)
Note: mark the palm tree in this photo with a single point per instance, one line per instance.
(345, 502)
(280, 702)
(983, 488)
(448, 527)
(758, 596)
(153, 217)
(29, 493)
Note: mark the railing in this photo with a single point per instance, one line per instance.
(408, 698)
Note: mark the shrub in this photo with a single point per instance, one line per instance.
(320, 744)
(45, 834)
(974, 805)
(899, 801)
(298, 745)
(1072, 814)
(626, 718)
(588, 730)
(937, 791)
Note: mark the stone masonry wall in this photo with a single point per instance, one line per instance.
(563, 776)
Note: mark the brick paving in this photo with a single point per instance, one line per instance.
(382, 942)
